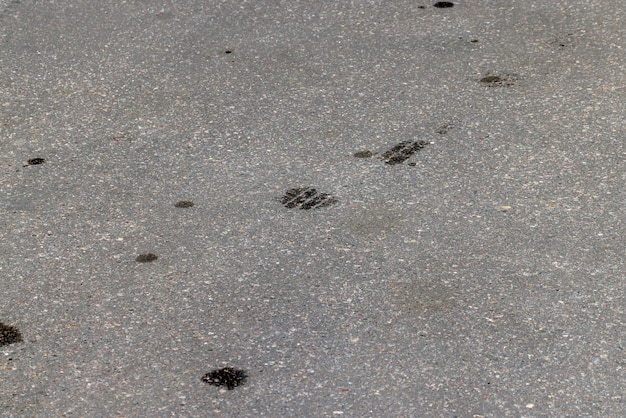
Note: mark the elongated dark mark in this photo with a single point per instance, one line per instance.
(146, 258)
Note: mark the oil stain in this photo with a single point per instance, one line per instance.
(402, 152)
(502, 80)
(228, 376)
(146, 258)
(443, 4)
(306, 198)
(363, 154)
(36, 161)
(184, 204)
(9, 335)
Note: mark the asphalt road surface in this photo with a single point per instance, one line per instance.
(312, 208)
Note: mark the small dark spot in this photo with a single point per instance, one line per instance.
(474, 41)
(491, 79)
(306, 198)
(443, 4)
(184, 204)
(363, 154)
(402, 152)
(444, 129)
(228, 51)
(504, 80)
(421, 7)
(9, 335)
(36, 161)
(229, 377)
(413, 164)
(146, 258)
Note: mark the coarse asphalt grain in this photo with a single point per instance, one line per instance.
(480, 276)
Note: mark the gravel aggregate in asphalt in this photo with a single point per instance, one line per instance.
(465, 167)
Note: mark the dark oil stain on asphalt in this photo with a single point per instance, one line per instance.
(36, 161)
(306, 198)
(184, 204)
(363, 154)
(146, 258)
(402, 152)
(443, 4)
(9, 335)
(504, 80)
(228, 376)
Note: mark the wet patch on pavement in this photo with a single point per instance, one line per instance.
(306, 198)
(228, 376)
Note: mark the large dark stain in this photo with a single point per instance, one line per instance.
(306, 198)
(402, 152)
(443, 4)
(146, 258)
(9, 335)
(228, 376)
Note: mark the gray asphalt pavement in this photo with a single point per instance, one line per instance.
(394, 209)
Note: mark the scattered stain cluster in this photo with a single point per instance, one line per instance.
(228, 376)
(146, 258)
(184, 204)
(306, 198)
(503, 80)
(402, 152)
(9, 335)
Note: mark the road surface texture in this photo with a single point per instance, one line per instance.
(312, 208)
